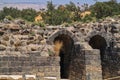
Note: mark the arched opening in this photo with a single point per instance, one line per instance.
(98, 42)
(63, 45)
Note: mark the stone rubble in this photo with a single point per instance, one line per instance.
(21, 37)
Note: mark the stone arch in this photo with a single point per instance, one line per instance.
(51, 38)
(66, 52)
(100, 42)
(103, 34)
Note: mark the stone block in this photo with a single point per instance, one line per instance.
(5, 58)
(37, 64)
(15, 69)
(30, 77)
(54, 69)
(22, 58)
(41, 69)
(40, 74)
(3, 64)
(92, 51)
(15, 64)
(47, 69)
(4, 70)
(50, 78)
(16, 58)
(27, 63)
(27, 69)
(11, 58)
(93, 62)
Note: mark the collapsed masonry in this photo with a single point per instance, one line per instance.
(88, 52)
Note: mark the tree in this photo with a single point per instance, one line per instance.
(13, 12)
(114, 7)
(59, 17)
(2, 15)
(101, 10)
(61, 7)
(71, 7)
(50, 12)
(50, 6)
(104, 9)
(28, 14)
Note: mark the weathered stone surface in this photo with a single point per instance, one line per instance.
(93, 65)
(28, 49)
(2, 47)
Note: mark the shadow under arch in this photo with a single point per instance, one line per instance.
(103, 34)
(98, 42)
(65, 53)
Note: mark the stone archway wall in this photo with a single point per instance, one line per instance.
(80, 69)
(51, 38)
(77, 63)
(32, 40)
(105, 35)
(109, 62)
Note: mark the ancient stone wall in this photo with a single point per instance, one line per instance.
(40, 67)
(93, 65)
(28, 49)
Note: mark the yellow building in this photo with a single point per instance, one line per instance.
(38, 18)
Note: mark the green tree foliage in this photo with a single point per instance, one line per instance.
(115, 7)
(28, 14)
(13, 12)
(48, 17)
(71, 7)
(64, 13)
(74, 11)
(9, 17)
(61, 17)
(104, 9)
(2, 15)
(56, 16)
(50, 6)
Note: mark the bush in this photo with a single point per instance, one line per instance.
(9, 17)
(28, 14)
(87, 18)
(41, 24)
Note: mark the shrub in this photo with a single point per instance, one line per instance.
(41, 24)
(9, 17)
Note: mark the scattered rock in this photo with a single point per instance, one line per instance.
(28, 38)
(6, 37)
(1, 32)
(2, 47)
(85, 45)
(19, 21)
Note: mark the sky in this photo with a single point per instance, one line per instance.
(54, 1)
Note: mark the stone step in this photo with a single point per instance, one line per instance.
(50, 78)
(17, 77)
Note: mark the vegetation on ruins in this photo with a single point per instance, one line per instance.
(64, 13)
